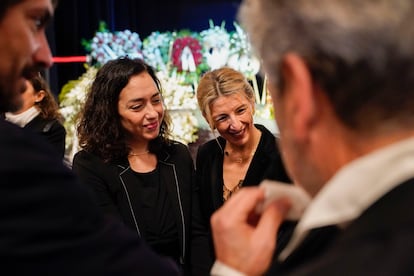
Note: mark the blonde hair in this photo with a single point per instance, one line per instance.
(224, 81)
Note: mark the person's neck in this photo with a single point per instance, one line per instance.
(342, 147)
(249, 146)
(138, 149)
(246, 151)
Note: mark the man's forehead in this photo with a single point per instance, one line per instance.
(48, 5)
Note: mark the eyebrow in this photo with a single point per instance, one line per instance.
(45, 15)
(46, 18)
(141, 99)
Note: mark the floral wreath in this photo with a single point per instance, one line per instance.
(186, 54)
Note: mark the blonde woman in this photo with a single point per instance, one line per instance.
(244, 153)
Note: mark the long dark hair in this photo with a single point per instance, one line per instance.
(48, 106)
(100, 131)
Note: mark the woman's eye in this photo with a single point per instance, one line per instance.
(221, 119)
(136, 107)
(241, 110)
(156, 101)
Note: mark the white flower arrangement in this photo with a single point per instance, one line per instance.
(241, 55)
(156, 50)
(106, 46)
(216, 46)
(184, 126)
(181, 103)
(71, 99)
(177, 96)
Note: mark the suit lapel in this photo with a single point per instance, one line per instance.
(169, 178)
(217, 182)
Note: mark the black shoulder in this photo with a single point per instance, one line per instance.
(213, 145)
(84, 158)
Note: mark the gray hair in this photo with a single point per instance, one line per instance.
(360, 52)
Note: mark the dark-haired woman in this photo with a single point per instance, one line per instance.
(136, 172)
(40, 113)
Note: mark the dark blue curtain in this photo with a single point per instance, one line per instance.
(79, 19)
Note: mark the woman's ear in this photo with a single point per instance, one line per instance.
(40, 96)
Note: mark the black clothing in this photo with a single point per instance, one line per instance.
(115, 188)
(379, 242)
(266, 164)
(50, 224)
(159, 226)
(52, 130)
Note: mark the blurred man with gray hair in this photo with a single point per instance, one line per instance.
(341, 76)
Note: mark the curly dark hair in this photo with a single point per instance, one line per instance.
(100, 131)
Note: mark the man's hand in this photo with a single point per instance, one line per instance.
(243, 240)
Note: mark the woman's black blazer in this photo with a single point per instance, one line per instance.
(266, 164)
(113, 185)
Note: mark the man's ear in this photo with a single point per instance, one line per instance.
(299, 95)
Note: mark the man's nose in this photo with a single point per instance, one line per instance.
(43, 55)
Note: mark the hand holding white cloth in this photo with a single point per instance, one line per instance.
(275, 190)
(244, 240)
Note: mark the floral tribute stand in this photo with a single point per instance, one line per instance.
(179, 58)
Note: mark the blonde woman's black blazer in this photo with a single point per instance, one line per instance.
(266, 164)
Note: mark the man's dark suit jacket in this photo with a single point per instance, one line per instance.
(49, 224)
(379, 242)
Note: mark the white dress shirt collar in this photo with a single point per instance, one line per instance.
(354, 188)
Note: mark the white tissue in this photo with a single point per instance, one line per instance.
(275, 190)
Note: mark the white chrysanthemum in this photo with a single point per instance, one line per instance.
(216, 46)
(176, 94)
(106, 46)
(70, 106)
(241, 57)
(184, 126)
(156, 49)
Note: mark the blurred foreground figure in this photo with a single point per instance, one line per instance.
(49, 223)
(341, 76)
